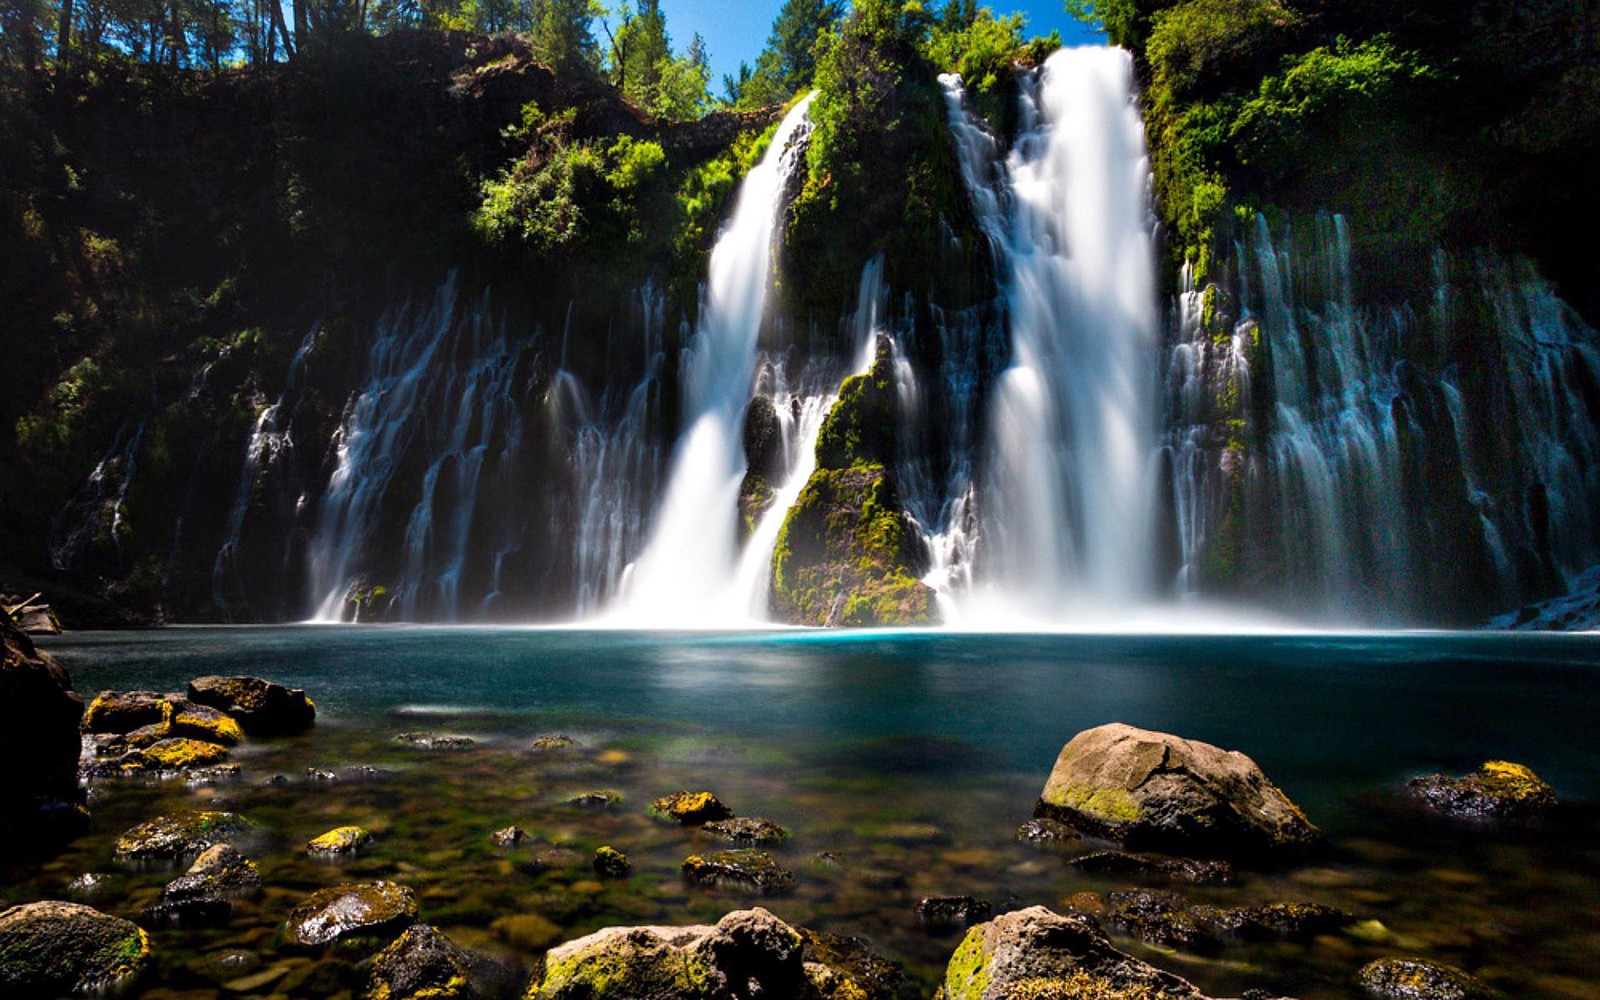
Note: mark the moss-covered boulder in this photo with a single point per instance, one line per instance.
(1035, 953)
(611, 863)
(125, 711)
(262, 707)
(689, 808)
(423, 964)
(1153, 790)
(848, 553)
(1415, 979)
(359, 910)
(54, 949)
(173, 755)
(1499, 791)
(40, 801)
(844, 968)
(339, 840)
(747, 953)
(205, 893)
(179, 835)
(743, 868)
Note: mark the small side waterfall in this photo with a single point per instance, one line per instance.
(438, 388)
(270, 442)
(686, 570)
(95, 513)
(1066, 518)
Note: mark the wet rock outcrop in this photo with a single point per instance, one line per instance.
(1415, 979)
(205, 893)
(39, 797)
(364, 909)
(1150, 790)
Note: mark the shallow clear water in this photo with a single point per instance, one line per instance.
(909, 757)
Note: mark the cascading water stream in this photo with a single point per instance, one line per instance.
(1067, 517)
(687, 570)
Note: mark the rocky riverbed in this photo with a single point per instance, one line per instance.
(479, 856)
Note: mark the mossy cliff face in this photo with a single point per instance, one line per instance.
(848, 554)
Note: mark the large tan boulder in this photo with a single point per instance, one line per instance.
(1150, 790)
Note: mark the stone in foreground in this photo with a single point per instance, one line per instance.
(40, 801)
(1036, 953)
(1414, 979)
(747, 953)
(1499, 791)
(689, 808)
(261, 707)
(945, 912)
(1150, 790)
(53, 949)
(423, 964)
(364, 909)
(743, 868)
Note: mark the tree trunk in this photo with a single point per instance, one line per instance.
(64, 32)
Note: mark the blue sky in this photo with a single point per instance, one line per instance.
(736, 30)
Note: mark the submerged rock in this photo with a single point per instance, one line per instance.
(1190, 870)
(179, 835)
(205, 893)
(1499, 791)
(261, 707)
(945, 912)
(748, 953)
(340, 840)
(435, 741)
(1035, 953)
(1288, 921)
(844, 968)
(40, 801)
(1046, 832)
(1415, 979)
(600, 798)
(423, 964)
(511, 836)
(364, 909)
(689, 808)
(552, 743)
(747, 830)
(612, 863)
(746, 867)
(1153, 790)
(1159, 918)
(547, 859)
(52, 949)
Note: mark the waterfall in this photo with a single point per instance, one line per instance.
(437, 390)
(686, 571)
(269, 443)
(95, 513)
(1324, 455)
(1067, 502)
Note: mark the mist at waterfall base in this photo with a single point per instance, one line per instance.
(1074, 455)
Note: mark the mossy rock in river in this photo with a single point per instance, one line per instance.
(1499, 791)
(1154, 790)
(745, 868)
(262, 707)
(339, 840)
(689, 808)
(178, 835)
(361, 910)
(1415, 979)
(53, 949)
(1035, 954)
